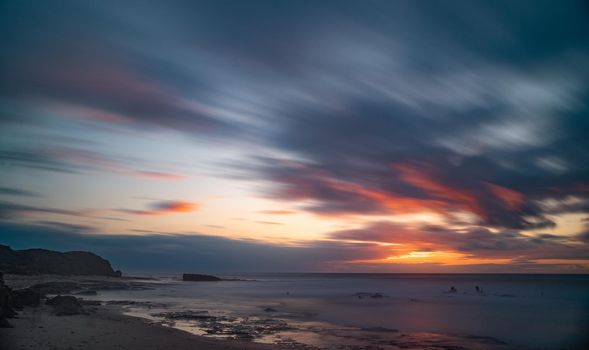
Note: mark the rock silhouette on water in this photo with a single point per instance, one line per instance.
(194, 277)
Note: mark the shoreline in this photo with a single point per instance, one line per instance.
(105, 328)
(100, 326)
(109, 324)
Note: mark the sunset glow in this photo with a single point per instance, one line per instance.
(312, 138)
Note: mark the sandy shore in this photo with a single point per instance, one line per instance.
(103, 329)
(103, 325)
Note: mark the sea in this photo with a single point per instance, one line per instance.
(372, 311)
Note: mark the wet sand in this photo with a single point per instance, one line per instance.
(104, 328)
(110, 325)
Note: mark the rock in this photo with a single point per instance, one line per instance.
(193, 277)
(6, 310)
(185, 315)
(42, 261)
(55, 287)
(65, 305)
(86, 292)
(143, 304)
(26, 297)
(380, 329)
(269, 309)
(362, 295)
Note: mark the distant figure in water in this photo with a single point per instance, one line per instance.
(453, 289)
(479, 290)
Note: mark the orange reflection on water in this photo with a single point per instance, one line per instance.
(434, 257)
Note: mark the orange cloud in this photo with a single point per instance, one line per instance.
(277, 212)
(178, 207)
(268, 223)
(165, 208)
(420, 178)
(411, 188)
(511, 198)
(396, 203)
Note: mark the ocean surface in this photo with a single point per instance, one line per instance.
(394, 310)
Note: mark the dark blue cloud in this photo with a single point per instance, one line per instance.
(9, 210)
(17, 192)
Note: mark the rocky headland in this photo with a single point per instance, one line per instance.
(45, 263)
(42, 261)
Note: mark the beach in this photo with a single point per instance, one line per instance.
(37, 328)
(108, 328)
(99, 327)
(302, 311)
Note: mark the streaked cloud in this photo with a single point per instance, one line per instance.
(474, 242)
(78, 160)
(371, 117)
(277, 212)
(166, 252)
(13, 210)
(165, 208)
(17, 192)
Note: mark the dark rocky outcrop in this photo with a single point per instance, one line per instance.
(55, 287)
(65, 305)
(6, 310)
(194, 277)
(362, 295)
(42, 261)
(25, 297)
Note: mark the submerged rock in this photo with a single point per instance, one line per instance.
(362, 295)
(194, 277)
(248, 328)
(26, 297)
(145, 304)
(65, 305)
(185, 315)
(55, 287)
(87, 287)
(380, 329)
(87, 292)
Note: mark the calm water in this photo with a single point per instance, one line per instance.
(538, 311)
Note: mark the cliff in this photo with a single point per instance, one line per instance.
(42, 261)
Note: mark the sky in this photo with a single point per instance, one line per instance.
(325, 136)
